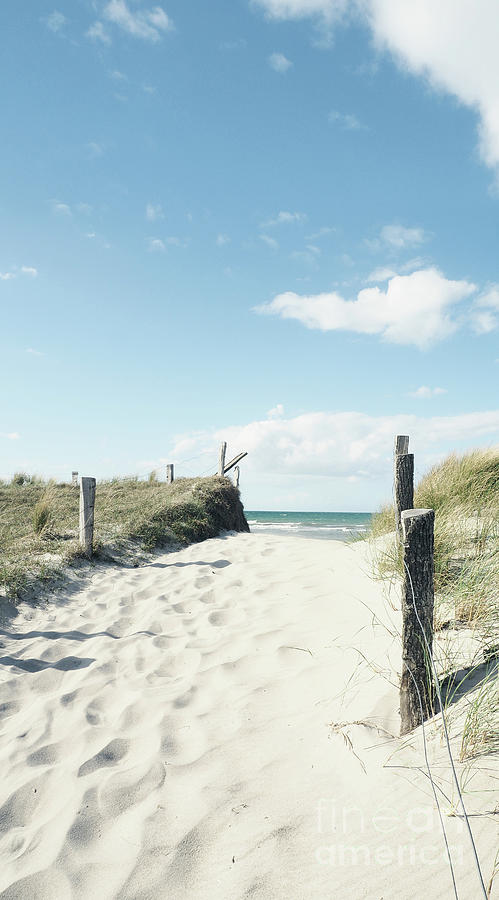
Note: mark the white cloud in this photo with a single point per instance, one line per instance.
(147, 24)
(61, 209)
(346, 121)
(339, 444)
(382, 273)
(29, 270)
(97, 32)
(55, 21)
(222, 240)
(279, 63)
(414, 309)
(34, 352)
(485, 314)
(269, 241)
(10, 435)
(154, 212)
(399, 237)
(276, 412)
(284, 218)
(452, 45)
(425, 393)
(7, 276)
(116, 75)
(156, 245)
(327, 10)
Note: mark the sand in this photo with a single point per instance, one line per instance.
(184, 730)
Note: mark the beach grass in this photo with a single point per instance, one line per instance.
(39, 535)
(464, 492)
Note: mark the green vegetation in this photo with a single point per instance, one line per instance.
(464, 492)
(39, 523)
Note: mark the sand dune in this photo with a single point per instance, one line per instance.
(167, 733)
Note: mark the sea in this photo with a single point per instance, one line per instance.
(327, 526)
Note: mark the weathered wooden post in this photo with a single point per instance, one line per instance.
(221, 458)
(416, 686)
(403, 476)
(87, 503)
(74, 479)
(169, 473)
(236, 476)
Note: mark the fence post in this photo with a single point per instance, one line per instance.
(416, 686)
(236, 476)
(403, 478)
(169, 473)
(87, 503)
(74, 479)
(221, 458)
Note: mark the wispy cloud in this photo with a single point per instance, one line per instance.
(222, 240)
(237, 44)
(400, 237)
(33, 352)
(55, 21)
(29, 270)
(269, 241)
(414, 309)
(154, 212)
(7, 276)
(485, 314)
(279, 63)
(94, 149)
(145, 24)
(61, 209)
(97, 32)
(10, 435)
(346, 121)
(156, 245)
(322, 232)
(284, 218)
(175, 241)
(426, 393)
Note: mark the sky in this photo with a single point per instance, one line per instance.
(270, 222)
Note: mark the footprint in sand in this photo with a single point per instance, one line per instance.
(110, 755)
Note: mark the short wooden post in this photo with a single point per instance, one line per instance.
(87, 503)
(169, 473)
(403, 487)
(401, 444)
(221, 458)
(236, 476)
(74, 479)
(416, 686)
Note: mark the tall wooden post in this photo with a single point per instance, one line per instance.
(221, 458)
(416, 686)
(74, 479)
(236, 476)
(169, 473)
(403, 478)
(87, 503)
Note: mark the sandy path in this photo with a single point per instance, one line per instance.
(165, 733)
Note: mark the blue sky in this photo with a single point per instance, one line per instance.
(273, 222)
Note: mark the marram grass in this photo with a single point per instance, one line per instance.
(39, 522)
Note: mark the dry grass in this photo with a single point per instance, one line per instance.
(39, 522)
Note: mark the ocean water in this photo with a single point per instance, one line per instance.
(328, 526)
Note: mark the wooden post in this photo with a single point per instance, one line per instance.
(169, 473)
(236, 476)
(401, 444)
(403, 488)
(87, 503)
(416, 686)
(74, 479)
(221, 458)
